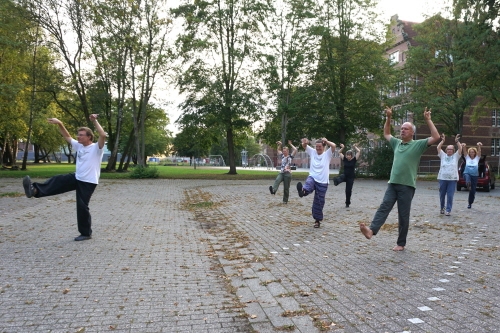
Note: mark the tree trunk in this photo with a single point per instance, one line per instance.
(230, 147)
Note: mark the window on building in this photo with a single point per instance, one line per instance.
(394, 57)
(495, 147)
(495, 118)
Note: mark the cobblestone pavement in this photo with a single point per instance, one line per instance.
(227, 256)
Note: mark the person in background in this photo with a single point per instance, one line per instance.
(319, 174)
(285, 174)
(471, 170)
(84, 180)
(448, 173)
(402, 183)
(349, 173)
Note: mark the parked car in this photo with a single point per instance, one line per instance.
(486, 180)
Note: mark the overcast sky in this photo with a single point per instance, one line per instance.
(411, 10)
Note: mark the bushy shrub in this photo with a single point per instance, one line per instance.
(140, 172)
(379, 161)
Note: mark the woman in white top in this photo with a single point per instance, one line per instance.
(448, 173)
(471, 171)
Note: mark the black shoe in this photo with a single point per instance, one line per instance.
(335, 181)
(299, 189)
(28, 187)
(317, 224)
(347, 205)
(82, 238)
(271, 190)
(469, 206)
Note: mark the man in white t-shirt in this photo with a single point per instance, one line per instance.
(319, 174)
(83, 181)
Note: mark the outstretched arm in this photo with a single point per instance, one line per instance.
(479, 144)
(102, 135)
(434, 132)
(64, 132)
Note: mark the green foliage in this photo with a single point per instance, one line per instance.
(380, 160)
(342, 93)
(443, 61)
(140, 172)
(218, 41)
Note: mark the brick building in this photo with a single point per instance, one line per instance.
(486, 130)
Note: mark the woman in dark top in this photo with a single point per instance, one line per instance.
(348, 176)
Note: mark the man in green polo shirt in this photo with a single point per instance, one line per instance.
(401, 188)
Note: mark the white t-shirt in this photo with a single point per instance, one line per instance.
(472, 165)
(449, 166)
(88, 162)
(320, 164)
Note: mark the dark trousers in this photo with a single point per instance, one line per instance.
(403, 195)
(349, 182)
(65, 183)
(473, 185)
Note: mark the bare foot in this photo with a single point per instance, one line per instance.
(366, 231)
(398, 248)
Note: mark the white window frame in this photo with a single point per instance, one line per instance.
(394, 57)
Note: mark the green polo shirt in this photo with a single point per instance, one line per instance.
(406, 160)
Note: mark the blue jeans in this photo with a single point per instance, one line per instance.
(403, 195)
(447, 189)
(473, 184)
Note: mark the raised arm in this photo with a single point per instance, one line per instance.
(329, 143)
(479, 144)
(440, 144)
(434, 132)
(294, 149)
(457, 141)
(387, 125)
(358, 151)
(102, 135)
(340, 151)
(64, 132)
(464, 149)
(304, 143)
(279, 147)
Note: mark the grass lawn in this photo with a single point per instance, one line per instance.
(165, 172)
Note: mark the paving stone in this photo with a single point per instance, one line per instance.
(155, 266)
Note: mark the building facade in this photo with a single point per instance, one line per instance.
(484, 129)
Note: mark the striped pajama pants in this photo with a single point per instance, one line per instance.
(319, 196)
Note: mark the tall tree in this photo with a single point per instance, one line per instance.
(287, 57)
(445, 71)
(352, 70)
(217, 45)
(14, 65)
(150, 55)
(480, 21)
